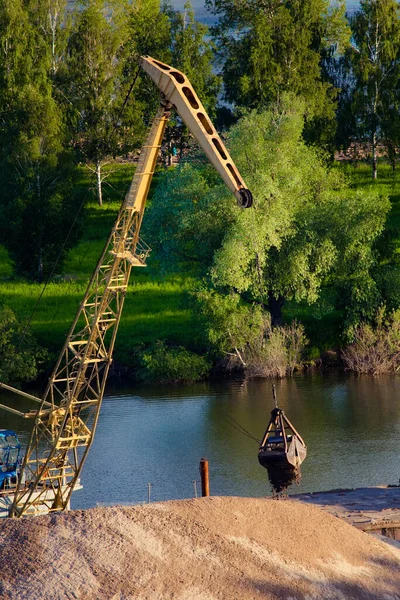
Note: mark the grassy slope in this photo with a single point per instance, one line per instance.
(155, 308)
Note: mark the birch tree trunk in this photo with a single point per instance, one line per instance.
(98, 183)
(374, 157)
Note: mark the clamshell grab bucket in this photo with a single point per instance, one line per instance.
(281, 446)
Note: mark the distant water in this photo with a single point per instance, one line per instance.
(206, 17)
(201, 12)
(203, 15)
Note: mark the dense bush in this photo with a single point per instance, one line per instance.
(20, 355)
(278, 352)
(242, 333)
(375, 348)
(168, 365)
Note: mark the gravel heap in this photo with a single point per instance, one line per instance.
(219, 547)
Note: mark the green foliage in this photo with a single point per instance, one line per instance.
(170, 365)
(295, 239)
(91, 86)
(107, 99)
(376, 346)
(282, 246)
(243, 335)
(370, 100)
(192, 54)
(227, 323)
(35, 167)
(20, 356)
(271, 48)
(185, 222)
(148, 33)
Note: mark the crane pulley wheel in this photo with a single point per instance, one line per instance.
(246, 198)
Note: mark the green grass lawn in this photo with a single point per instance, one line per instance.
(156, 307)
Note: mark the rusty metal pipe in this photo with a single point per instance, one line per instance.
(205, 482)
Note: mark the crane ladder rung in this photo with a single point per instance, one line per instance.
(119, 287)
(85, 402)
(53, 471)
(72, 438)
(90, 361)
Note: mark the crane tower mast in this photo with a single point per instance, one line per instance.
(65, 423)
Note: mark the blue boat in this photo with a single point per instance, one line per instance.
(10, 458)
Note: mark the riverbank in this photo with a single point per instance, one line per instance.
(204, 549)
(157, 308)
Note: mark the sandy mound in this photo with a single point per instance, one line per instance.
(225, 548)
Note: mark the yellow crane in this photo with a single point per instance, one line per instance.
(65, 422)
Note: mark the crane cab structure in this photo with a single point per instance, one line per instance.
(65, 422)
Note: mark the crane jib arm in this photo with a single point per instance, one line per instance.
(176, 89)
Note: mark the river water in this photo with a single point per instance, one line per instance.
(158, 435)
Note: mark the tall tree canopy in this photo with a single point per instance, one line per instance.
(35, 169)
(92, 84)
(294, 240)
(107, 105)
(267, 48)
(370, 103)
(193, 54)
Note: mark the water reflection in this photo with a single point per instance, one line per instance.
(157, 435)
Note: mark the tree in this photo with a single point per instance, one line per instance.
(186, 47)
(268, 48)
(193, 54)
(373, 63)
(91, 83)
(108, 101)
(149, 33)
(295, 240)
(20, 355)
(35, 168)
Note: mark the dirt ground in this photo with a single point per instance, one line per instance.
(204, 549)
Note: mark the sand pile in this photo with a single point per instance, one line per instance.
(226, 548)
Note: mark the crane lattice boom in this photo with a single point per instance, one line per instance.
(63, 431)
(66, 420)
